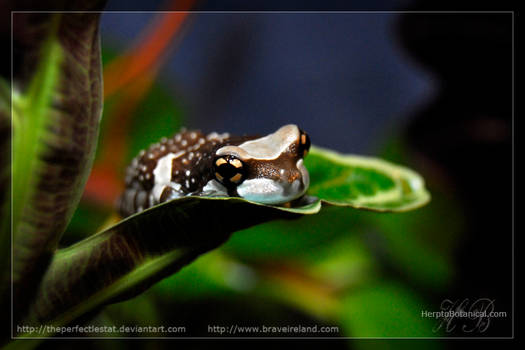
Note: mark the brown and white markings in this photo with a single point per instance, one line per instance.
(265, 169)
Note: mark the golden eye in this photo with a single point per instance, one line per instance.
(304, 144)
(229, 170)
(236, 163)
(220, 162)
(236, 178)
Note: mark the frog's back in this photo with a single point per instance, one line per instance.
(174, 167)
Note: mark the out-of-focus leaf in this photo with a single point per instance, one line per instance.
(141, 311)
(157, 116)
(344, 263)
(421, 244)
(413, 242)
(364, 182)
(142, 249)
(384, 310)
(287, 239)
(88, 218)
(56, 112)
(212, 275)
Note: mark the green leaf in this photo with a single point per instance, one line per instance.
(214, 274)
(421, 244)
(129, 257)
(418, 243)
(385, 310)
(364, 182)
(55, 118)
(283, 239)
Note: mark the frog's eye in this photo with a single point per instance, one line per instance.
(304, 143)
(229, 170)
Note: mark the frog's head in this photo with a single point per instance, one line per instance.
(267, 170)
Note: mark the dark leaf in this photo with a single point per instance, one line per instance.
(56, 112)
(129, 257)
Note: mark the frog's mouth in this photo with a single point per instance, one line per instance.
(270, 191)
